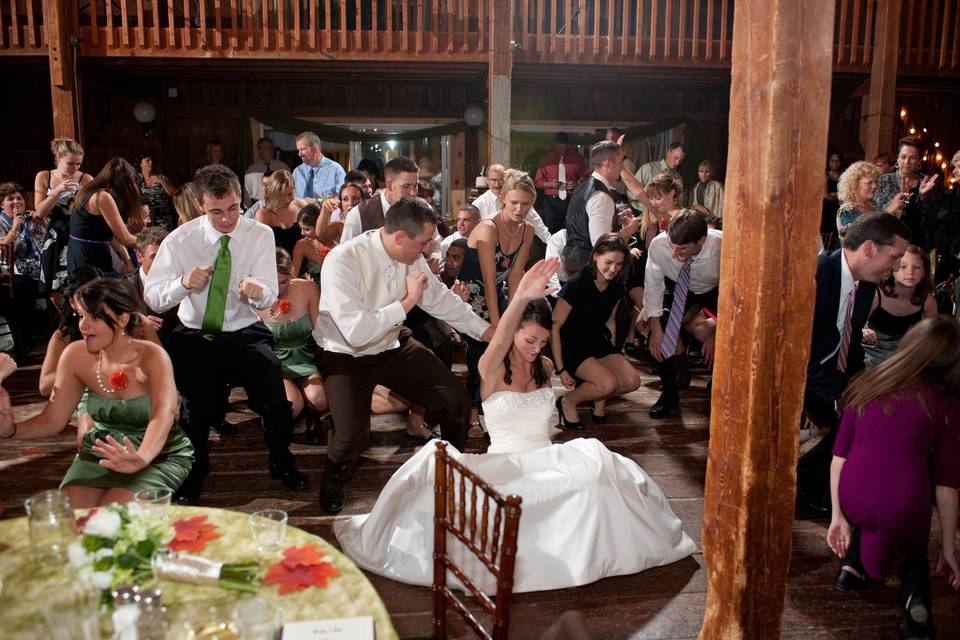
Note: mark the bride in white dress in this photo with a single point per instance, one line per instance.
(587, 513)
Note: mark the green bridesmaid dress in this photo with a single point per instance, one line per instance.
(294, 346)
(127, 418)
(312, 270)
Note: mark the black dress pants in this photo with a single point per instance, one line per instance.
(412, 371)
(554, 212)
(813, 468)
(203, 367)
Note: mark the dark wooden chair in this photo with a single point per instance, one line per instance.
(492, 539)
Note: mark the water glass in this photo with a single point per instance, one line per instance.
(154, 502)
(269, 528)
(256, 619)
(73, 616)
(52, 527)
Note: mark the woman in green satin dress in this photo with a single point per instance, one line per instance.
(291, 320)
(135, 442)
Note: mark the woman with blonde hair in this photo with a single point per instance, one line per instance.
(281, 210)
(186, 203)
(54, 191)
(855, 189)
(664, 192)
(898, 444)
(497, 251)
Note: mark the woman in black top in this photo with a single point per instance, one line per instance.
(582, 342)
(99, 220)
(281, 210)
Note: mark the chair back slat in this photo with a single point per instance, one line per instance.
(451, 516)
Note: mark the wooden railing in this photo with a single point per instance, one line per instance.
(662, 32)
(624, 31)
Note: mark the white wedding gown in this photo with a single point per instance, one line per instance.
(587, 513)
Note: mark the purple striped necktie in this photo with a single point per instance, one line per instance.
(669, 345)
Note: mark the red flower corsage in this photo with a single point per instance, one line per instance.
(324, 251)
(283, 305)
(118, 381)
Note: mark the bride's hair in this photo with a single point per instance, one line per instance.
(537, 311)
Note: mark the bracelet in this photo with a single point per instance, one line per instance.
(12, 434)
(559, 371)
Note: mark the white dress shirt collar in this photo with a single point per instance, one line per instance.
(601, 179)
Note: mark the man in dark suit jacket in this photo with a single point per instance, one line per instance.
(872, 248)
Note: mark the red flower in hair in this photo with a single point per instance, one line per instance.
(283, 305)
(118, 381)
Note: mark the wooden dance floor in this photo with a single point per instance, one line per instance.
(665, 602)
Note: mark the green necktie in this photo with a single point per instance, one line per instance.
(217, 294)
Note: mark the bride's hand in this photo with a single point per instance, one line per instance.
(533, 285)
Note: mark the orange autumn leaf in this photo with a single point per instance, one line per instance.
(192, 534)
(306, 555)
(300, 568)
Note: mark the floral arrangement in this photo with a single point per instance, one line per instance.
(120, 545)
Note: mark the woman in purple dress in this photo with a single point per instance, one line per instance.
(900, 429)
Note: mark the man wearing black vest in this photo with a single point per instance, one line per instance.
(593, 211)
(401, 180)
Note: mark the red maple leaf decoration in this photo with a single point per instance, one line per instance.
(283, 305)
(192, 534)
(300, 568)
(118, 381)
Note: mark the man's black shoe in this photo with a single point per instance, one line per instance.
(291, 478)
(849, 581)
(664, 407)
(189, 492)
(331, 488)
(226, 430)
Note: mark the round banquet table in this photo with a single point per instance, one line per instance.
(26, 586)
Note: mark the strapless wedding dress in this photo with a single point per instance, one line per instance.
(587, 513)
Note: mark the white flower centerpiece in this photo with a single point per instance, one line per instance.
(120, 544)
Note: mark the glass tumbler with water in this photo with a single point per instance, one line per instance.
(52, 527)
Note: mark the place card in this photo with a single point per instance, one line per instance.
(360, 628)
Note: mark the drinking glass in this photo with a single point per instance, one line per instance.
(256, 619)
(269, 528)
(52, 527)
(154, 502)
(74, 615)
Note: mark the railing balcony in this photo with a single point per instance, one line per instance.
(651, 32)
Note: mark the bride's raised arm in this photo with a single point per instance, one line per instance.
(532, 286)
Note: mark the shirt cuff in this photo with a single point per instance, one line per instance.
(395, 313)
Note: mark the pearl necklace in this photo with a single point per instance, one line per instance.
(122, 382)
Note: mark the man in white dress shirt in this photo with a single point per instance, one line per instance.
(370, 284)
(488, 202)
(683, 264)
(468, 217)
(266, 164)
(220, 269)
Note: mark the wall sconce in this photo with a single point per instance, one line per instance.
(146, 114)
(473, 115)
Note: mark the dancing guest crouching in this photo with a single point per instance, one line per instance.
(900, 429)
(370, 284)
(221, 270)
(126, 386)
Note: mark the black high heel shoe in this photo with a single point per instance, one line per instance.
(597, 419)
(578, 425)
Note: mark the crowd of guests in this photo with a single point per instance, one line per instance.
(336, 294)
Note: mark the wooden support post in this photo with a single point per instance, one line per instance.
(62, 90)
(880, 119)
(499, 80)
(779, 112)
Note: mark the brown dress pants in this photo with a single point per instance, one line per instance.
(412, 371)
